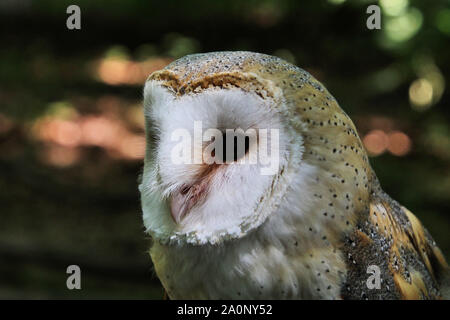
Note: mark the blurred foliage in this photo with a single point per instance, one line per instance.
(71, 125)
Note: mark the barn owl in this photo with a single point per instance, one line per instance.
(318, 227)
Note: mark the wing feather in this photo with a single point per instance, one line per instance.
(412, 265)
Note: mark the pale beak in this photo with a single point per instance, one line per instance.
(184, 200)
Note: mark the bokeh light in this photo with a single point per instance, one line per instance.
(118, 71)
(421, 94)
(60, 156)
(99, 131)
(443, 20)
(404, 26)
(394, 7)
(429, 88)
(117, 131)
(116, 68)
(399, 143)
(132, 146)
(376, 142)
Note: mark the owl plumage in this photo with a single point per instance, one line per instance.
(310, 231)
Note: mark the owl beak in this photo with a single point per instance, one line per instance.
(186, 198)
(178, 207)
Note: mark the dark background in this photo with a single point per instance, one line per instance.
(71, 124)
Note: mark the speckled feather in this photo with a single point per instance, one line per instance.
(360, 224)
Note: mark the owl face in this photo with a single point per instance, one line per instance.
(312, 147)
(214, 162)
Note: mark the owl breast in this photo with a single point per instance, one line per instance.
(282, 259)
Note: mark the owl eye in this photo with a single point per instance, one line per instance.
(238, 151)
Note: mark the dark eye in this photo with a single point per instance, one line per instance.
(238, 150)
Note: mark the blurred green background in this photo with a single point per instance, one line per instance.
(71, 125)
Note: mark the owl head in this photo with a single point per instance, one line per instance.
(232, 137)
